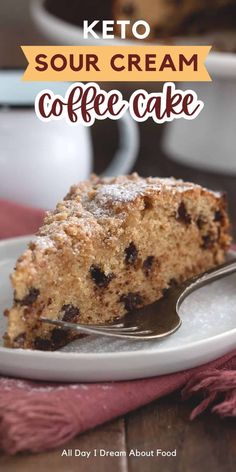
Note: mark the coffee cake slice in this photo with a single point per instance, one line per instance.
(113, 245)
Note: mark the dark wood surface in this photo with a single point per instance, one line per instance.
(206, 444)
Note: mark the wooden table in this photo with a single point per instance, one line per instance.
(206, 444)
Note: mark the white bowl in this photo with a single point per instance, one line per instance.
(208, 142)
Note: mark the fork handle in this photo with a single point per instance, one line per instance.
(209, 276)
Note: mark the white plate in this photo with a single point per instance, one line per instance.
(208, 331)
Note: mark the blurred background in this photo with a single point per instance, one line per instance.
(202, 151)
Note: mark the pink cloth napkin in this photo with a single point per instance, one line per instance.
(37, 416)
(17, 220)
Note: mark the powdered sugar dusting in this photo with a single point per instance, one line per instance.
(122, 193)
(108, 195)
(44, 242)
(127, 191)
(90, 201)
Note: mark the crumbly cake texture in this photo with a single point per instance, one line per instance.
(173, 17)
(113, 245)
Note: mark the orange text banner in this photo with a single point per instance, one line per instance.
(116, 63)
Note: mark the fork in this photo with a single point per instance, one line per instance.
(154, 321)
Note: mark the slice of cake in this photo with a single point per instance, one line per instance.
(113, 245)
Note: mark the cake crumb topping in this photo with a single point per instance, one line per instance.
(88, 203)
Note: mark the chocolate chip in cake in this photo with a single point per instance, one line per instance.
(218, 216)
(99, 277)
(42, 344)
(128, 9)
(71, 313)
(165, 292)
(131, 300)
(30, 298)
(208, 241)
(131, 254)
(59, 337)
(147, 203)
(182, 214)
(148, 264)
(200, 222)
